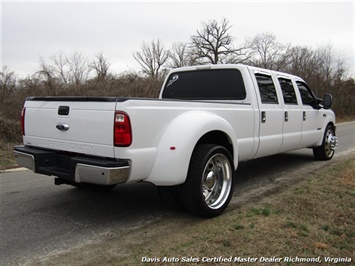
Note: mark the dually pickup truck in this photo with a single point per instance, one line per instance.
(188, 142)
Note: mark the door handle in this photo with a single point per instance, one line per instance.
(263, 117)
(304, 115)
(286, 116)
(62, 127)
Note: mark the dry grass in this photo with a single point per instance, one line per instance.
(7, 159)
(10, 135)
(314, 218)
(346, 118)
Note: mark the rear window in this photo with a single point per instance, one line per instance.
(216, 84)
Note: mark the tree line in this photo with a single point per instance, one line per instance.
(322, 68)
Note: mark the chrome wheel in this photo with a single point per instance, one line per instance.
(217, 181)
(210, 179)
(330, 143)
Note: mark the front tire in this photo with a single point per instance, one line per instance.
(209, 185)
(327, 149)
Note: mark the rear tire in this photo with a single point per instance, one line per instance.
(209, 185)
(327, 149)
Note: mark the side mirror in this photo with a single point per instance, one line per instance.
(327, 101)
(317, 103)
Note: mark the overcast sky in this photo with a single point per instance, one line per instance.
(31, 30)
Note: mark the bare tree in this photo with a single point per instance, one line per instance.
(270, 53)
(7, 82)
(181, 55)
(63, 70)
(213, 44)
(303, 62)
(60, 67)
(32, 83)
(331, 63)
(101, 66)
(152, 58)
(78, 68)
(47, 73)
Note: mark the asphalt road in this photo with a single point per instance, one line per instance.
(37, 217)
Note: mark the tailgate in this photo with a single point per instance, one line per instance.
(75, 124)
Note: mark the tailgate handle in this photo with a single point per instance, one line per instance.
(62, 127)
(63, 110)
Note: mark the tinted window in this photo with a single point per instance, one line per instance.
(306, 94)
(267, 89)
(217, 84)
(288, 91)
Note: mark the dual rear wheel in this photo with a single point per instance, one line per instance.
(209, 185)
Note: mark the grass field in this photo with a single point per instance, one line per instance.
(313, 219)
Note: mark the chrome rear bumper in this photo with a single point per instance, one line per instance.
(73, 168)
(92, 174)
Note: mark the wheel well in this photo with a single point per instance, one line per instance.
(330, 124)
(333, 126)
(219, 138)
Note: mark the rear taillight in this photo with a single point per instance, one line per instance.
(23, 120)
(122, 130)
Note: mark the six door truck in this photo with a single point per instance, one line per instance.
(188, 142)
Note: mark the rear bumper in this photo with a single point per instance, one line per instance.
(73, 168)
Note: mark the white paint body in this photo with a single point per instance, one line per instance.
(165, 132)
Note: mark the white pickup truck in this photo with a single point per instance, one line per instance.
(188, 142)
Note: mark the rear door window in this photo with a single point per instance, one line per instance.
(288, 91)
(212, 84)
(267, 89)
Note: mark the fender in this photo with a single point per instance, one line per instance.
(330, 117)
(178, 142)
